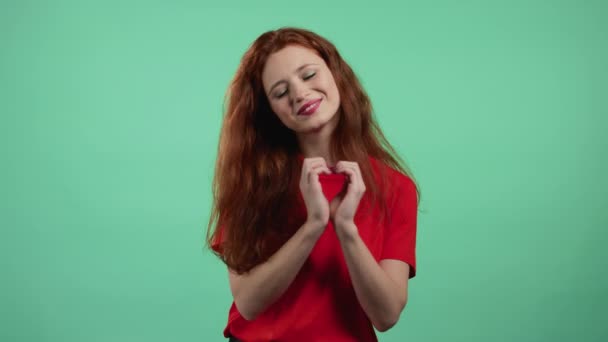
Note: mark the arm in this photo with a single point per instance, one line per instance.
(380, 288)
(254, 291)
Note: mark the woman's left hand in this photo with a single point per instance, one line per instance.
(344, 206)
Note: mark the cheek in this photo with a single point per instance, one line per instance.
(281, 109)
(329, 85)
(331, 90)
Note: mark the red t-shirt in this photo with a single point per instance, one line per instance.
(320, 304)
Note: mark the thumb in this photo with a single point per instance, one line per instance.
(334, 204)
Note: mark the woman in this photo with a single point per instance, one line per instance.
(316, 218)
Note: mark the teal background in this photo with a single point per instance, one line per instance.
(110, 116)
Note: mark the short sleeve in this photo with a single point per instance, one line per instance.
(400, 229)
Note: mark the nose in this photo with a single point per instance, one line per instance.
(299, 93)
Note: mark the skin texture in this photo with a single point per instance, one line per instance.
(296, 87)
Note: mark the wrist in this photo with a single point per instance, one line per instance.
(314, 228)
(346, 231)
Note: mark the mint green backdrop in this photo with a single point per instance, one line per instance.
(110, 121)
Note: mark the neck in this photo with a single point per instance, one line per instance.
(317, 144)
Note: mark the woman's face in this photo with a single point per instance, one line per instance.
(301, 89)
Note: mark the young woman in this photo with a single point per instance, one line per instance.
(315, 215)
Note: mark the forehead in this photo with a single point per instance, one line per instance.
(285, 62)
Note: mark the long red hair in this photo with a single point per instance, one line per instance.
(257, 172)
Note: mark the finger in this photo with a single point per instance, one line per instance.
(313, 174)
(316, 171)
(359, 175)
(321, 166)
(355, 183)
(355, 167)
(314, 163)
(308, 164)
(344, 165)
(352, 177)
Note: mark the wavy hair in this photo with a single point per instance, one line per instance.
(257, 174)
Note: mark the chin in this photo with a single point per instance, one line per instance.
(315, 127)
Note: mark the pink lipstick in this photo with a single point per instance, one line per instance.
(309, 107)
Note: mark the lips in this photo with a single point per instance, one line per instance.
(309, 107)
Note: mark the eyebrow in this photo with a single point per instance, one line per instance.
(283, 81)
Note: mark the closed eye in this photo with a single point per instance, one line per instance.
(307, 77)
(310, 76)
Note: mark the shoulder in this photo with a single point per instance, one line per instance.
(390, 174)
(396, 185)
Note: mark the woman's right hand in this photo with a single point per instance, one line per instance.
(317, 206)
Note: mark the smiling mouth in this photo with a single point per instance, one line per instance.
(310, 107)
